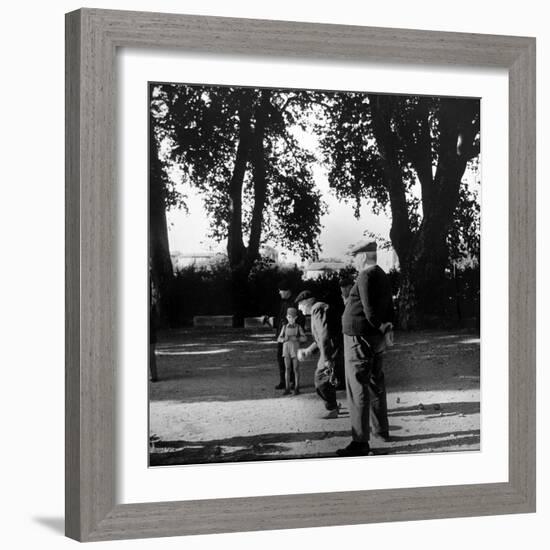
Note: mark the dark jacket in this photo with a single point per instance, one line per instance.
(369, 303)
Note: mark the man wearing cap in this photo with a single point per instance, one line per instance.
(367, 316)
(327, 343)
(287, 300)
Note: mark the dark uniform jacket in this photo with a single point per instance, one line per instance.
(369, 303)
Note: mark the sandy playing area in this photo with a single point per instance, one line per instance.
(216, 402)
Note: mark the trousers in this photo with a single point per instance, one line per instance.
(366, 388)
(325, 390)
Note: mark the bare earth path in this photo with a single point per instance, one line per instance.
(216, 402)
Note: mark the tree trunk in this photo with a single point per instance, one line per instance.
(430, 252)
(235, 245)
(236, 251)
(400, 232)
(422, 288)
(251, 145)
(406, 305)
(259, 175)
(161, 270)
(423, 255)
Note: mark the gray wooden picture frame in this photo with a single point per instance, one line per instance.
(92, 39)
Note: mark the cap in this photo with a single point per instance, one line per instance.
(304, 295)
(292, 311)
(363, 246)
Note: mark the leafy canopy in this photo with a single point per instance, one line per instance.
(198, 129)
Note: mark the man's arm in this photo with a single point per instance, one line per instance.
(301, 320)
(309, 351)
(366, 286)
(325, 342)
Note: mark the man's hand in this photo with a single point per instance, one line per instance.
(331, 371)
(303, 354)
(384, 327)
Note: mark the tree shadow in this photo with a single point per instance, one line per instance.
(246, 448)
(445, 409)
(450, 435)
(273, 446)
(434, 446)
(241, 364)
(264, 439)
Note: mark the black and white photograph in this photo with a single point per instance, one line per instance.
(314, 274)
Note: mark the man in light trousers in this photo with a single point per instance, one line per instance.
(367, 317)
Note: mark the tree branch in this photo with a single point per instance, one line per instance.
(259, 176)
(235, 245)
(400, 233)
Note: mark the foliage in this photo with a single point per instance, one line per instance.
(200, 128)
(206, 291)
(243, 150)
(463, 240)
(358, 157)
(199, 291)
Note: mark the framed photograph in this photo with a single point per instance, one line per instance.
(300, 275)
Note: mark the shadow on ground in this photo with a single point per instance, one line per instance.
(237, 364)
(437, 409)
(272, 446)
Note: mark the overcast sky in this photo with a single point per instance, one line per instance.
(188, 233)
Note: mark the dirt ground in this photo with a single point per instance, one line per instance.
(216, 399)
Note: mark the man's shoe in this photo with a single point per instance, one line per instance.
(355, 448)
(333, 413)
(383, 436)
(280, 386)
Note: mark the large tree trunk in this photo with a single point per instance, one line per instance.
(423, 255)
(160, 263)
(440, 197)
(259, 176)
(251, 147)
(400, 232)
(235, 246)
(236, 251)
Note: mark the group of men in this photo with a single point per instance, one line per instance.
(365, 328)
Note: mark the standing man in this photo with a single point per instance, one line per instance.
(287, 300)
(326, 341)
(346, 284)
(367, 316)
